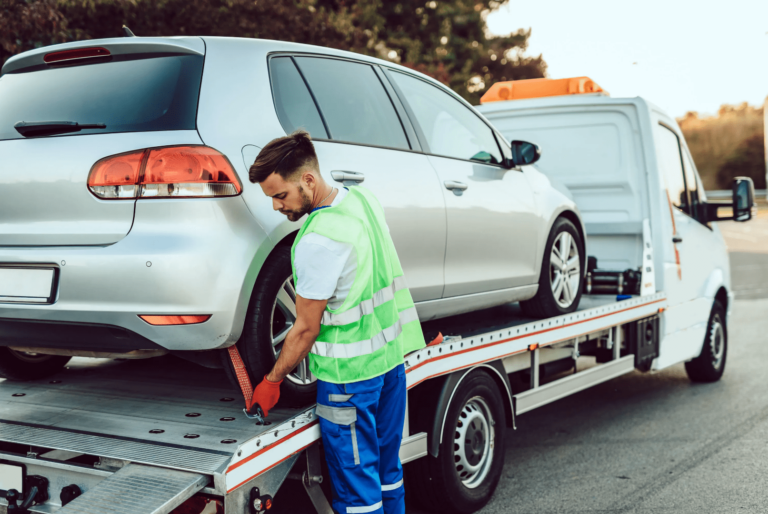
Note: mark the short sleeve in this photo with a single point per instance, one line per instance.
(319, 263)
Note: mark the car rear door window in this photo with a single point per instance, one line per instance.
(134, 95)
(353, 102)
(294, 105)
(451, 129)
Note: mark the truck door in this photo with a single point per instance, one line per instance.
(692, 252)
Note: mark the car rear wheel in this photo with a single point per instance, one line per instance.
(18, 365)
(560, 280)
(271, 315)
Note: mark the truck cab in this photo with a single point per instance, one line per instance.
(626, 163)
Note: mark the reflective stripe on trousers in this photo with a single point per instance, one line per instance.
(365, 307)
(364, 468)
(368, 346)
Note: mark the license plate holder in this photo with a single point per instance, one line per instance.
(28, 284)
(12, 476)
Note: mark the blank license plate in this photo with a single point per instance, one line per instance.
(11, 477)
(26, 285)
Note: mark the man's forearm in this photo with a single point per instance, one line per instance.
(296, 347)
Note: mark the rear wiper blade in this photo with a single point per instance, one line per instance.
(49, 128)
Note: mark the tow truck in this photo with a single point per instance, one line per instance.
(162, 436)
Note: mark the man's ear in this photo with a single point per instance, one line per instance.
(308, 178)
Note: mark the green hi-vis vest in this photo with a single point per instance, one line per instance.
(377, 323)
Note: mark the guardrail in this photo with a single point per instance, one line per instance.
(726, 193)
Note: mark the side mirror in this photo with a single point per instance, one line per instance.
(743, 198)
(524, 153)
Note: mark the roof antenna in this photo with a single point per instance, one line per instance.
(127, 32)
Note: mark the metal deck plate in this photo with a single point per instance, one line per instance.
(137, 489)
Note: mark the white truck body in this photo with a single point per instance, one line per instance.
(615, 156)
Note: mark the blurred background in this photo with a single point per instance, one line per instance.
(701, 62)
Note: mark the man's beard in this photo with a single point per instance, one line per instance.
(306, 207)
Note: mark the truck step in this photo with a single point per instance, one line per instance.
(138, 489)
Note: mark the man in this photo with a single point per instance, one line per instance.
(355, 318)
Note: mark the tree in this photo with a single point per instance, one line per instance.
(746, 160)
(25, 25)
(447, 40)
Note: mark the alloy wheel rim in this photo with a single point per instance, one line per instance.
(473, 442)
(564, 269)
(717, 343)
(282, 321)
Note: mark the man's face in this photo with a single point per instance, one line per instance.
(287, 197)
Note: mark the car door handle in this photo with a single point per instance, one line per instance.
(348, 178)
(677, 239)
(457, 187)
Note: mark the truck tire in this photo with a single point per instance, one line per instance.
(467, 470)
(270, 316)
(15, 365)
(559, 285)
(710, 365)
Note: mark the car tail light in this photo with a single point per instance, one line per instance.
(75, 54)
(184, 319)
(169, 172)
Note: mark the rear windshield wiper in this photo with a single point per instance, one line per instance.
(49, 128)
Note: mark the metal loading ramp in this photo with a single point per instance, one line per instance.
(137, 489)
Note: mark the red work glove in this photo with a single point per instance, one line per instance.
(266, 395)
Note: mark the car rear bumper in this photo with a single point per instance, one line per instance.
(181, 257)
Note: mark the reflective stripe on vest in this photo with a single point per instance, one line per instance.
(368, 346)
(356, 313)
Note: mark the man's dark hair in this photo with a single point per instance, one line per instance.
(284, 156)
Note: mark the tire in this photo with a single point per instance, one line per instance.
(548, 302)
(463, 477)
(710, 365)
(15, 365)
(268, 315)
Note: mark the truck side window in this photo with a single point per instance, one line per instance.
(671, 166)
(353, 102)
(451, 129)
(691, 184)
(293, 103)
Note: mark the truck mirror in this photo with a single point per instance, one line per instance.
(524, 152)
(743, 198)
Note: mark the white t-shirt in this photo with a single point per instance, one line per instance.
(325, 269)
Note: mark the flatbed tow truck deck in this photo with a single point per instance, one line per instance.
(144, 436)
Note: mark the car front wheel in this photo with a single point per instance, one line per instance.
(19, 365)
(560, 280)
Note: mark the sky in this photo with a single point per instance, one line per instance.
(682, 55)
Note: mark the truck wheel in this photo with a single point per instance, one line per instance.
(271, 314)
(560, 281)
(16, 365)
(467, 470)
(710, 365)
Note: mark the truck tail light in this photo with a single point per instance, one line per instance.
(169, 172)
(184, 319)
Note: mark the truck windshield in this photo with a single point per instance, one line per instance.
(127, 96)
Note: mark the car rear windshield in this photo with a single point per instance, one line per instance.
(136, 95)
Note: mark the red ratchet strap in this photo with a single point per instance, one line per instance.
(242, 375)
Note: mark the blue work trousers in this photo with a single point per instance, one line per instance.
(362, 427)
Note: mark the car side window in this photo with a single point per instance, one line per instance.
(450, 128)
(691, 184)
(294, 105)
(353, 102)
(671, 166)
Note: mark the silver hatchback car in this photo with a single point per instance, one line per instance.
(127, 228)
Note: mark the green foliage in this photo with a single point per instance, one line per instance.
(447, 40)
(25, 25)
(715, 141)
(746, 160)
